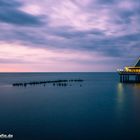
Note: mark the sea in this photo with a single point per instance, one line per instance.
(98, 108)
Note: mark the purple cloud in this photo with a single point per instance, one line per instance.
(108, 28)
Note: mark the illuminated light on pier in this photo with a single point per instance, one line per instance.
(130, 74)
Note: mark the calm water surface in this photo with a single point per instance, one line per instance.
(100, 109)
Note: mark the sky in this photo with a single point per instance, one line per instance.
(68, 35)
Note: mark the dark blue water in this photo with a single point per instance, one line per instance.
(100, 109)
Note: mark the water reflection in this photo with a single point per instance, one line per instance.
(137, 88)
(120, 95)
(137, 102)
(120, 100)
(128, 98)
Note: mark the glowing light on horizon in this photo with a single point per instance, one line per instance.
(23, 58)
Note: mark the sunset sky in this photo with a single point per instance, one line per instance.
(68, 35)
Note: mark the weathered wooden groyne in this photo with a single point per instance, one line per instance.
(54, 82)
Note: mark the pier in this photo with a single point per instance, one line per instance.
(130, 74)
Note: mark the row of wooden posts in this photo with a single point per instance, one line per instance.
(55, 82)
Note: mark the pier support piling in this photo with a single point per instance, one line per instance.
(130, 78)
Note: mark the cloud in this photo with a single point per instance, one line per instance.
(18, 18)
(7, 3)
(10, 13)
(109, 29)
(32, 59)
(10, 61)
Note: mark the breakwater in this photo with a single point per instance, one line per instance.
(54, 82)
